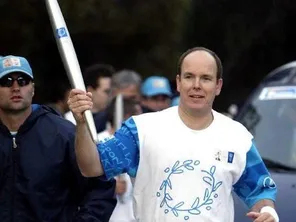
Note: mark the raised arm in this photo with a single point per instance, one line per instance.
(87, 155)
(94, 196)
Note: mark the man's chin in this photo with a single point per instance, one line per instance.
(15, 109)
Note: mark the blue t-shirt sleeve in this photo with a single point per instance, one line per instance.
(120, 153)
(255, 183)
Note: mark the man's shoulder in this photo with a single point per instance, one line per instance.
(52, 119)
(157, 116)
(166, 112)
(226, 119)
(233, 133)
(230, 124)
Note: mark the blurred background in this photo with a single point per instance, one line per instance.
(251, 37)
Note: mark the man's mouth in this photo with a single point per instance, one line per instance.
(16, 97)
(197, 96)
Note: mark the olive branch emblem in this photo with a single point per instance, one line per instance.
(200, 202)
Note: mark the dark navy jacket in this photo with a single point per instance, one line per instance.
(39, 177)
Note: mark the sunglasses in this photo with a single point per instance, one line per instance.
(7, 81)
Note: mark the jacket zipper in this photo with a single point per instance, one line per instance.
(14, 145)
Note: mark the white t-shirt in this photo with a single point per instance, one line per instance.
(123, 211)
(186, 175)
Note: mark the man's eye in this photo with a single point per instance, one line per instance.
(107, 91)
(207, 78)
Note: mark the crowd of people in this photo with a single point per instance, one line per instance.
(51, 169)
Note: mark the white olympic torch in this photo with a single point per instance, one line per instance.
(68, 55)
(117, 121)
(118, 111)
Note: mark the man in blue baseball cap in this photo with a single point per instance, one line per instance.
(39, 176)
(16, 86)
(156, 93)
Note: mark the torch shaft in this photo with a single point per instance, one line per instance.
(68, 56)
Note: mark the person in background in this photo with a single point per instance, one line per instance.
(186, 160)
(175, 101)
(97, 80)
(156, 94)
(130, 108)
(125, 82)
(232, 110)
(57, 98)
(123, 211)
(39, 176)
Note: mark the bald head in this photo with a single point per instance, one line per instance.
(203, 56)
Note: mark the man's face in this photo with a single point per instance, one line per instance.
(197, 83)
(130, 92)
(157, 102)
(137, 111)
(101, 93)
(16, 93)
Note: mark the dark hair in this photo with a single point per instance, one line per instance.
(59, 93)
(92, 73)
(217, 60)
(129, 107)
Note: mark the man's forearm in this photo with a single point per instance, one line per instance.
(86, 153)
(262, 203)
(264, 210)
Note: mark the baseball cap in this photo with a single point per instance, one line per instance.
(156, 85)
(10, 64)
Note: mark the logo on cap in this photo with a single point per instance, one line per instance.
(10, 62)
(158, 83)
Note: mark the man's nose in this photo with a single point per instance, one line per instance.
(196, 83)
(15, 86)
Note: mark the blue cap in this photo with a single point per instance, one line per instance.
(156, 85)
(10, 64)
(175, 101)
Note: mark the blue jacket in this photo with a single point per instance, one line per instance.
(39, 176)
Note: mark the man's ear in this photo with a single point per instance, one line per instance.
(219, 87)
(33, 90)
(178, 79)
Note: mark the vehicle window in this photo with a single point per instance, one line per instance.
(271, 118)
(283, 75)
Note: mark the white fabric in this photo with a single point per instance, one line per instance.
(69, 116)
(123, 211)
(190, 192)
(13, 133)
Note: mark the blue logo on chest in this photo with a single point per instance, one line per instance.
(230, 157)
